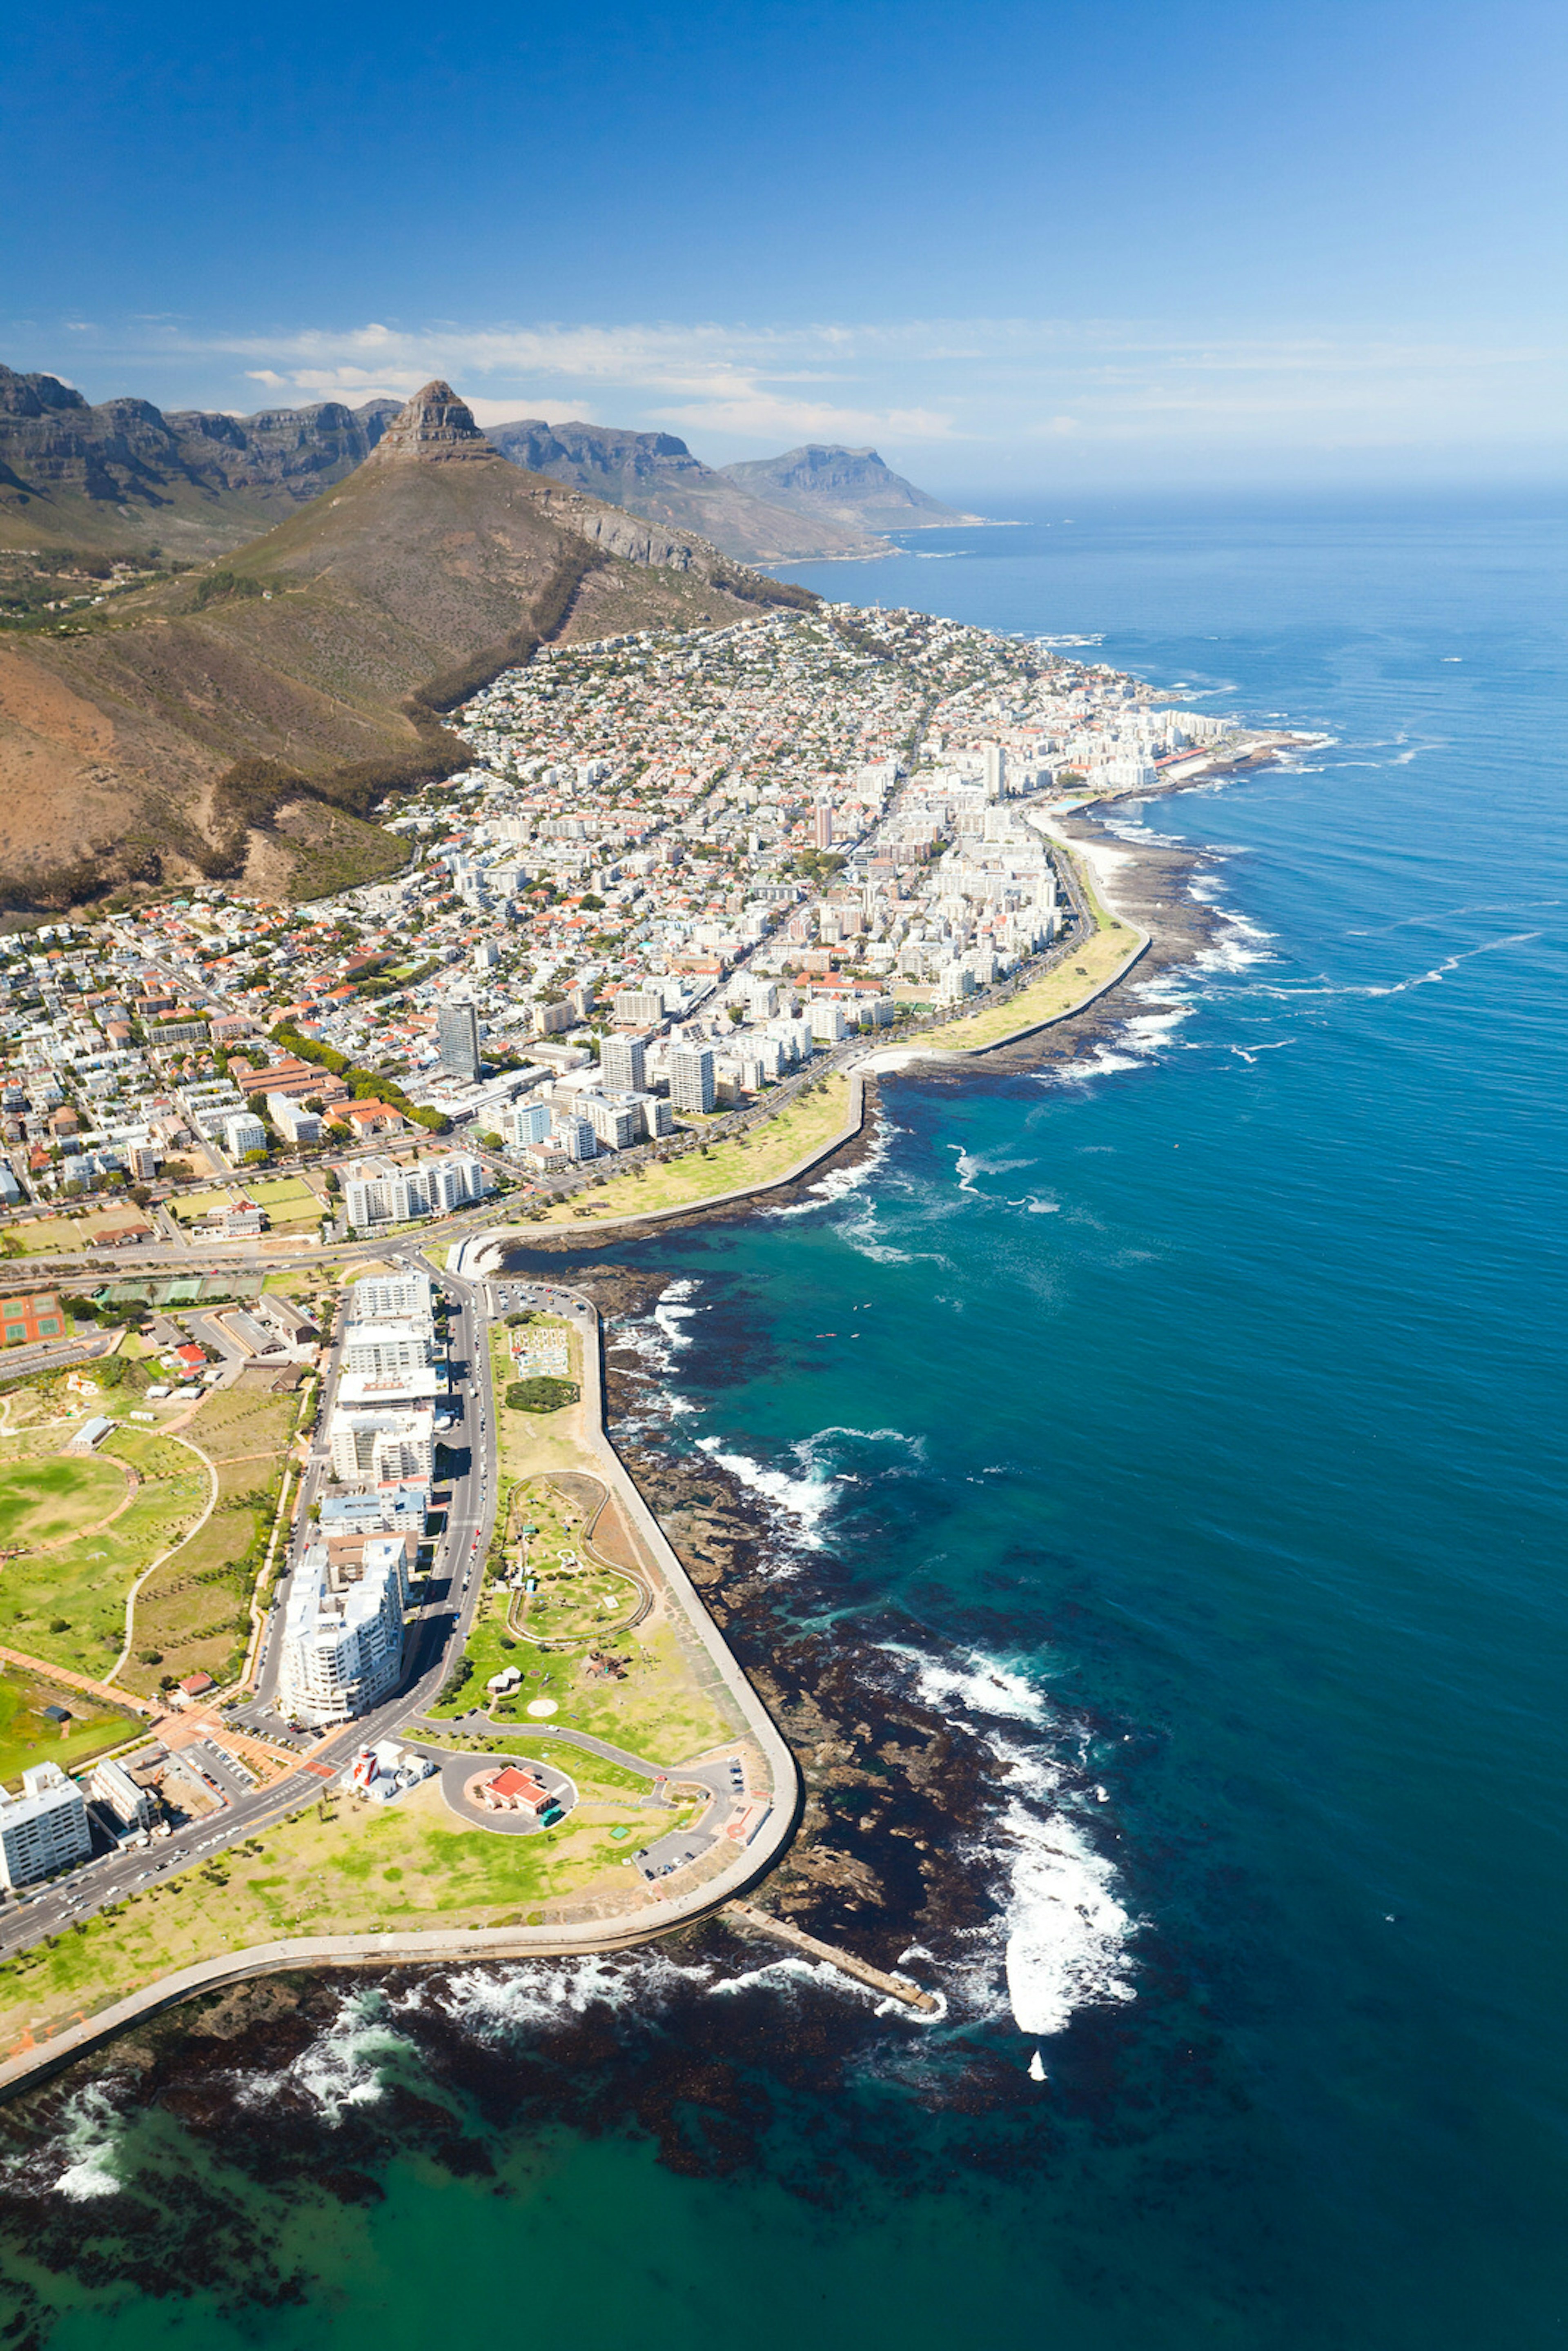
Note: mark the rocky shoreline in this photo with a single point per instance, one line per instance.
(899, 1805)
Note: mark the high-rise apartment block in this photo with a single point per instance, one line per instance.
(457, 1035)
(623, 1065)
(381, 1195)
(691, 1078)
(42, 1829)
(342, 1631)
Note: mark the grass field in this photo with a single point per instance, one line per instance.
(664, 1708)
(46, 1235)
(343, 1868)
(288, 1200)
(809, 1123)
(192, 1616)
(41, 1501)
(66, 1605)
(25, 1738)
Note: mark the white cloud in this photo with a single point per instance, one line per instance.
(940, 384)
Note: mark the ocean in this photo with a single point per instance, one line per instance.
(1183, 1426)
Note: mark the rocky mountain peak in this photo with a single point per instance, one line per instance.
(433, 427)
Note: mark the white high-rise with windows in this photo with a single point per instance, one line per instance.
(44, 1829)
(691, 1078)
(383, 1444)
(343, 1633)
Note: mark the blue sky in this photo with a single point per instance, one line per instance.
(1016, 247)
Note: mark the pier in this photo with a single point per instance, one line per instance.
(897, 1988)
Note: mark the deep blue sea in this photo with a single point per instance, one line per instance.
(1191, 1430)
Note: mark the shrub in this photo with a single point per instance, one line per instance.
(544, 1392)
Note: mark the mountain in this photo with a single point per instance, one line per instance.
(249, 716)
(654, 474)
(124, 475)
(847, 488)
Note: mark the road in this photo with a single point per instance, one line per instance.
(434, 1637)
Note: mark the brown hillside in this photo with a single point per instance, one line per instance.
(248, 718)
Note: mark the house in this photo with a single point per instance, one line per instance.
(366, 1118)
(511, 1790)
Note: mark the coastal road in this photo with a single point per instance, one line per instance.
(434, 1639)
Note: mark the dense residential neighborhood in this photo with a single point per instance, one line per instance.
(680, 866)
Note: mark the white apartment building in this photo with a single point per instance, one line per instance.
(111, 1785)
(388, 1347)
(343, 1633)
(391, 1298)
(616, 1122)
(380, 1444)
(42, 1829)
(526, 1123)
(426, 1187)
(622, 1066)
(242, 1132)
(292, 1120)
(691, 1078)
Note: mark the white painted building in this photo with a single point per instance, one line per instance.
(381, 1443)
(390, 1195)
(388, 1347)
(242, 1132)
(42, 1829)
(343, 1633)
(391, 1297)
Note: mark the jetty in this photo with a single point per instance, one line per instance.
(899, 1988)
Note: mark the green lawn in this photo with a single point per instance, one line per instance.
(66, 1606)
(667, 1708)
(341, 1868)
(192, 1615)
(42, 1500)
(807, 1123)
(25, 1738)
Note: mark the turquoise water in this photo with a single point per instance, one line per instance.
(1190, 1430)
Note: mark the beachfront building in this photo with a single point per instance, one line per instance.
(399, 1195)
(512, 1790)
(383, 1444)
(691, 1078)
(111, 1785)
(343, 1633)
(42, 1829)
(391, 1297)
(383, 1347)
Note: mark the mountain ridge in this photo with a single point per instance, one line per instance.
(655, 474)
(248, 720)
(852, 487)
(123, 473)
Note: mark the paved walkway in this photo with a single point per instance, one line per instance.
(115, 1697)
